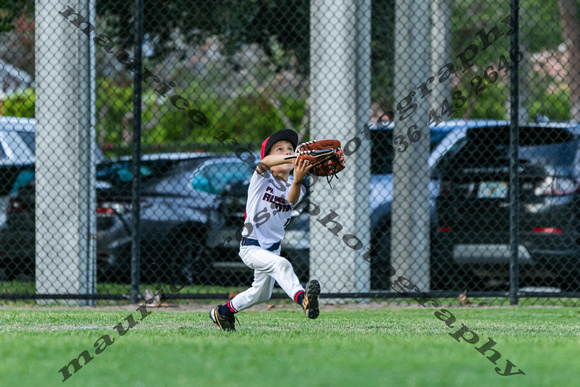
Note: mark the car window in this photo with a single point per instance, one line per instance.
(25, 177)
(213, 177)
(452, 151)
(172, 180)
(28, 138)
(554, 146)
(121, 173)
(153, 175)
(382, 147)
(437, 135)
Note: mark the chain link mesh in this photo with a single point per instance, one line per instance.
(426, 206)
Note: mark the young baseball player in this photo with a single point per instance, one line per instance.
(272, 195)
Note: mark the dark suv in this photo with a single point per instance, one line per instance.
(471, 243)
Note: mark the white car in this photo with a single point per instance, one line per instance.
(17, 156)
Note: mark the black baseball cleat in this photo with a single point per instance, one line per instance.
(310, 303)
(226, 323)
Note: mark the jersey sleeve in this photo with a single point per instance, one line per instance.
(258, 183)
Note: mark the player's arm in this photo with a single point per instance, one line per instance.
(272, 160)
(301, 168)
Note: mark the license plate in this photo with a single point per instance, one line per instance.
(493, 190)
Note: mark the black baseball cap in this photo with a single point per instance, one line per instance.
(281, 135)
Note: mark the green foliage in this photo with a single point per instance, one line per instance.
(235, 22)
(20, 104)
(247, 118)
(491, 103)
(282, 29)
(539, 25)
(555, 106)
(113, 103)
(382, 52)
(10, 10)
(293, 107)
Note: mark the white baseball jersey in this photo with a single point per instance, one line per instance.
(267, 210)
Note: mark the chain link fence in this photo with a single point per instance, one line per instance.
(129, 133)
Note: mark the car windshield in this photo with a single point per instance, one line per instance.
(157, 176)
(381, 148)
(121, 173)
(213, 177)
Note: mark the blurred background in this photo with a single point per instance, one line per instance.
(437, 188)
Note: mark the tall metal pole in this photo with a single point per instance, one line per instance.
(65, 210)
(340, 93)
(136, 193)
(410, 219)
(440, 50)
(514, 160)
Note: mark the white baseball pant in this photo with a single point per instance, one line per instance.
(269, 267)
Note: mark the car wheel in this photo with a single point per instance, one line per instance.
(189, 266)
(441, 278)
(381, 259)
(15, 270)
(104, 272)
(570, 283)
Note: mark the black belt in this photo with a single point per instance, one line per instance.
(254, 242)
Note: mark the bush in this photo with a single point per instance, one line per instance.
(555, 106)
(248, 119)
(113, 102)
(20, 104)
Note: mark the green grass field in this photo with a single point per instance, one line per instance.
(343, 347)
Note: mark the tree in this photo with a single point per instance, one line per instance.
(12, 10)
(571, 37)
(280, 28)
(235, 22)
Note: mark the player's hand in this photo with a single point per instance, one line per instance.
(301, 168)
(341, 155)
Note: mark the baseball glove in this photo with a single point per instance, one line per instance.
(326, 156)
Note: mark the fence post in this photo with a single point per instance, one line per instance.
(514, 161)
(136, 191)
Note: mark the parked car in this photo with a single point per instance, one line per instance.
(471, 245)
(17, 154)
(444, 138)
(173, 220)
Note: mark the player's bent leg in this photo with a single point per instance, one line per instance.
(260, 291)
(308, 298)
(276, 266)
(280, 269)
(283, 273)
